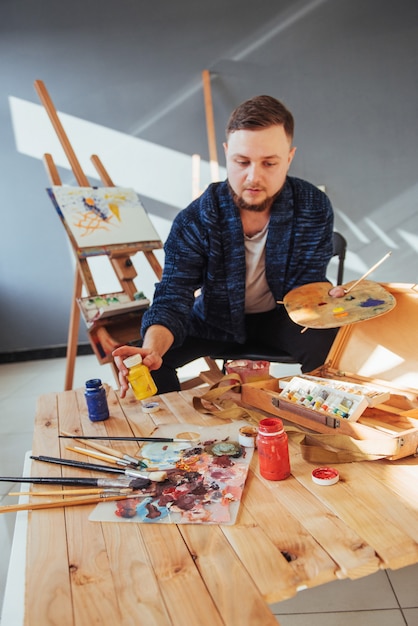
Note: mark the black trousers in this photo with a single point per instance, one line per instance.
(271, 330)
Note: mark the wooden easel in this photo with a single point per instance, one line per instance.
(214, 373)
(121, 328)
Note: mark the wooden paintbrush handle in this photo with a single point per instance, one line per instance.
(94, 455)
(101, 448)
(96, 446)
(72, 492)
(32, 506)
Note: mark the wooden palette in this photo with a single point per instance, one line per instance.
(312, 307)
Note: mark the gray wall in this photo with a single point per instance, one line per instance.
(346, 68)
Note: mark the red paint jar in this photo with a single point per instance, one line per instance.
(273, 451)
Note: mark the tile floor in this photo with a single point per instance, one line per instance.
(384, 599)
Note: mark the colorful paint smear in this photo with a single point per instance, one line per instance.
(371, 302)
(204, 486)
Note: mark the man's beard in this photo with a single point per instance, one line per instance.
(256, 208)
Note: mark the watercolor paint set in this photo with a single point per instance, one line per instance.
(95, 308)
(324, 398)
(375, 360)
(373, 395)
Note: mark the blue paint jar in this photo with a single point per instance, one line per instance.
(96, 400)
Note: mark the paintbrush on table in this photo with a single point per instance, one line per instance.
(114, 460)
(77, 481)
(85, 491)
(31, 506)
(149, 439)
(101, 448)
(157, 476)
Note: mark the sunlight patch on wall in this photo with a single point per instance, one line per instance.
(160, 173)
(384, 237)
(410, 238)
(357, 232)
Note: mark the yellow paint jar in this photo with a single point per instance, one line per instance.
(139, 377)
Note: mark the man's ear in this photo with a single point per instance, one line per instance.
(291, 154)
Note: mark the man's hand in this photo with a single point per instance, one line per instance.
(150, 358)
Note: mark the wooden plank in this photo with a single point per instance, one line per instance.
(136, 586)
(354, 556)
(184, 412)
(184, 592)
(350, 500)
(48, 598)
(219, 567)
(144, 424)
(92, 589)
(115, 426)
(267, 550)
(271, 572)
(387, 505)
(400, 476)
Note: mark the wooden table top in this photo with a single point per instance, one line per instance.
(289, 535)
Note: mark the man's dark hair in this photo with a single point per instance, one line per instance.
(261, 112)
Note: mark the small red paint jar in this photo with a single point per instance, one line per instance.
(273, 451)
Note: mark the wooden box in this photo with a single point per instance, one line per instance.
(111, 332)
(382, 352)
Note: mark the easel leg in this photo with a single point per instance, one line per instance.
(73, 332)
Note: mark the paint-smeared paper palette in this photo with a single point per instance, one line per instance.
(204, 488)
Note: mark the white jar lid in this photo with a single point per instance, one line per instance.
(135, 359)
(325, 476)
(150, 407)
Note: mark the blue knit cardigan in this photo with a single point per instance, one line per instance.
(205, 250)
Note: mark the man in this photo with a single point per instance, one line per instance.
(242, 246)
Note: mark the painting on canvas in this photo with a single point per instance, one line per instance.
(102, 216)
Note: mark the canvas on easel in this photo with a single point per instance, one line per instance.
(100, 221)
(98, 217)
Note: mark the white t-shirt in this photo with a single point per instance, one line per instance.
(258, 297)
